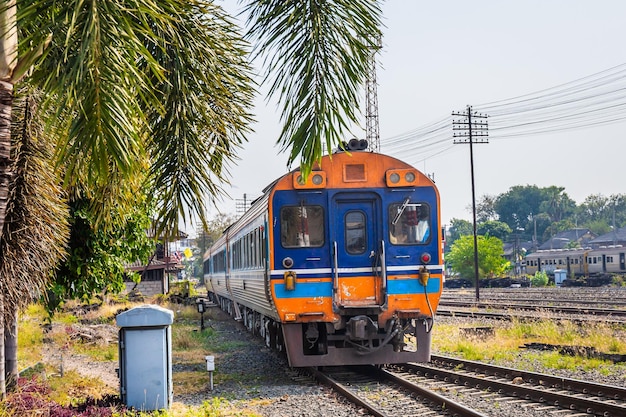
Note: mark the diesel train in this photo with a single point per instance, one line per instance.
(343, 267)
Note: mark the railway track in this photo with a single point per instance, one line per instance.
(382, 394)
(530, 305)
(581, 396)
(564, 301)
(605, 296)
(446, 386)
(444, 310)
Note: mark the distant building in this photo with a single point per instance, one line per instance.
(614, 237)
(569, 239)
(514, 252)
(155, 275)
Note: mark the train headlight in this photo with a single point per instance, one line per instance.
(394, 178)
(409, 177)
(317, 179)
(287, 262)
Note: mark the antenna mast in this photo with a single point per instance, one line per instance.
(372, 133)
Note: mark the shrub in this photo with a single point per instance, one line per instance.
(540, 279)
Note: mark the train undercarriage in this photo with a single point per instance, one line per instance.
(357, 340)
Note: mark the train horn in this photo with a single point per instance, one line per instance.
(355, 145)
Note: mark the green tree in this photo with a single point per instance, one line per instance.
(517, 206)
(97, 256)
(593, 208)
(205, 237)
(458, 228)
(490, 257)
(599, 227)
(557, 204)
(494, 228)
(485, 208)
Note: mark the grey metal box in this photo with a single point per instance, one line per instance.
(145, 357)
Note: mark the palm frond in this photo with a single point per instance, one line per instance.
(205, 96)
(315, 53)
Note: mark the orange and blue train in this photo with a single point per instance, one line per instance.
(343, 267)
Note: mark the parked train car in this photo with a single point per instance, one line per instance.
(587, 261)
(340, 268)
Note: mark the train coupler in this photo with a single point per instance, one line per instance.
(361, 328)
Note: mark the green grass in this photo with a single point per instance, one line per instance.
(505, 345)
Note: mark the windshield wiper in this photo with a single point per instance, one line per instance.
(401, 210)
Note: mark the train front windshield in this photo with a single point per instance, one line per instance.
(409, 223)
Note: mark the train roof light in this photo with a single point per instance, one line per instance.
(316, 179)
(402, 177)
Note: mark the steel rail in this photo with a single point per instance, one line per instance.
(555, 309)
(509, 315)
(590, 406)
(444, 403)
(339, 387)
(441, 401)
(608, 391)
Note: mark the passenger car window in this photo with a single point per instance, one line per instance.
(409, 223)
(356, 237)
(302, 226)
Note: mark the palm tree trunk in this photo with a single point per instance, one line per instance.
(10, 353)
(6, 106)
(3, 384)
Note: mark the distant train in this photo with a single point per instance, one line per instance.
(343, 267)
(579, 261)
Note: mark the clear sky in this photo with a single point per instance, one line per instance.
(438, 57)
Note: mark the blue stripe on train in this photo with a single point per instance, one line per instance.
(411, 286)
(325, 289)
(305, 289)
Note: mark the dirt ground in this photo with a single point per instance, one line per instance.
(64, 360)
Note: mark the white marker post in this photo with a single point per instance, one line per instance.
(210, 366)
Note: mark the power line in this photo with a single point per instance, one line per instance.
(594, 100)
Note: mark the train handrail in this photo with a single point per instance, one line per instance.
(335, 267)
(383, 265)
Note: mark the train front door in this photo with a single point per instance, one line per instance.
(355, 239)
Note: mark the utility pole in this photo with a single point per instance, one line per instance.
(466, 130)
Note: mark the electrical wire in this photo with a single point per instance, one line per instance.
(594, 100)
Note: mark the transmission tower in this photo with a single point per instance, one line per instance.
(372, 132)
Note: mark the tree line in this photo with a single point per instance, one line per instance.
(525, 213)
(532, 213)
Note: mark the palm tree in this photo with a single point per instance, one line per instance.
(159, 91)
(36, 225)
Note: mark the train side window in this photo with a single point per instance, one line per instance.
(356, 236)
(302, 226)
(409, 224)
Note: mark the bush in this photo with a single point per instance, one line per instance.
(540, 279)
